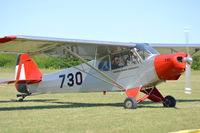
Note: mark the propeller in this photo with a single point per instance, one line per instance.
(188, 61)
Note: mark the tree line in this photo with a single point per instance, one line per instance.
(46, 62)
(9, 61)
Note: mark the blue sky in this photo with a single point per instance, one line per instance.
(156, 21)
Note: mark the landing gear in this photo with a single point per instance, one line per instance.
(21, 100)
(22, 96)
(150, 93)
(169, 101)
(154, 95)
(130, 103)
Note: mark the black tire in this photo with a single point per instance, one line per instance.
(21, 100)
(130, 103)
(170, 101)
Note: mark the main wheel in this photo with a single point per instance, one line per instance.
(130, 103)
(21, 100)
(170, 101)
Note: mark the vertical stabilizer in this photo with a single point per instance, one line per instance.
(26, 69)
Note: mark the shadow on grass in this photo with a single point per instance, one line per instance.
(64, 105)
(67, 105)
(144, 104)
(35, 100)
(177, 100)
(182, 100)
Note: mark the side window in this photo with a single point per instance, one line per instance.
(104, 64)
(132, 58)
(118, 61)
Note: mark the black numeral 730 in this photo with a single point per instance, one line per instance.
(71, 80)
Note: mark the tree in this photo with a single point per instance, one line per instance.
(196, 62)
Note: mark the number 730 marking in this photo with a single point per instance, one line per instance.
(71, 80)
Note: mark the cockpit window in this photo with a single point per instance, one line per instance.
(117, 62)
(104, 64)
(145, 51)
(126, 57)
(133, 58)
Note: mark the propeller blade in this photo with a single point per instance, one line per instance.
(188, 89)
(188, 62)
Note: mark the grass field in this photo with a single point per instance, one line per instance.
(97, 113)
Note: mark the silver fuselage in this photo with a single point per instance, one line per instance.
(73, 80)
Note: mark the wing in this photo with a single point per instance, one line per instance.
(52, 46)
(175, 48)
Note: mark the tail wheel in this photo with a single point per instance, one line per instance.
(169, 101)
(130, 103)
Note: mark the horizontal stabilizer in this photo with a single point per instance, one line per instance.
(11, 81)
(7, 81)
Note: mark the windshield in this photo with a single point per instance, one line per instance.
(145, 51)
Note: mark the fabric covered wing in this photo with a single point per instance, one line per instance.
(53, 46)
(175, 48)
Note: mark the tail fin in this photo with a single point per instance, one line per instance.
(26, 69)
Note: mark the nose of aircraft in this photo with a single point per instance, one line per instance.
(170, 67)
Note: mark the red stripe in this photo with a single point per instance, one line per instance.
(7, 39)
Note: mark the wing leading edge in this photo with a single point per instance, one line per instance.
(84, 48)
(52, 46)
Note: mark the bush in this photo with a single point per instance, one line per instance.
(9, 61)
(196, 63)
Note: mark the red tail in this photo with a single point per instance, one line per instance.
(27, 70)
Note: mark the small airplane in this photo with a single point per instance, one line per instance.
(112, 66)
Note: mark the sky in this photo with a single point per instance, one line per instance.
(150, 21)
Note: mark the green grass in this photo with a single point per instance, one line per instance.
(96, 113)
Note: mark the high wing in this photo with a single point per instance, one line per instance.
(175, 48)
(88, 49)
(54, 46)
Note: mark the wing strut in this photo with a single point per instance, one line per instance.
(89, 73)
(91, 66)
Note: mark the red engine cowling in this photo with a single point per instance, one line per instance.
(171, 66)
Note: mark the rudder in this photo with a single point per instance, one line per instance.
(26, 69)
